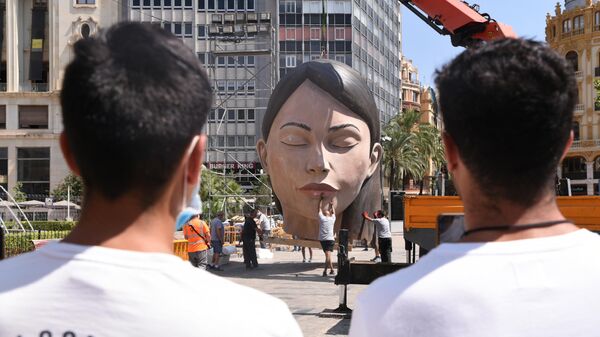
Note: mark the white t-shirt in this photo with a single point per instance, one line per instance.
(383, 228)
(326, 224)
(536, 287)
(96, 291)
(264, 222)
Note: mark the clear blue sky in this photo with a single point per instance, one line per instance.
(429, 51)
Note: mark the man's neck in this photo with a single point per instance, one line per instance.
(481, 212)
(124, 224)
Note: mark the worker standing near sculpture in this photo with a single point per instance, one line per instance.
(248, 238)
(197, 234)
(384, 234)
(326, 234)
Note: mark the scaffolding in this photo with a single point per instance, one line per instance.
(235, 35)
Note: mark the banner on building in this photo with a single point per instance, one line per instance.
(231, 166)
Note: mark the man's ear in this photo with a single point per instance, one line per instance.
(68, 154)
(568, 145)
(261, 149)
(376, 155)
(450, 151)
(195, 162)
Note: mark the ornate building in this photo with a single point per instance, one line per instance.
(574, 32)
(411, 88)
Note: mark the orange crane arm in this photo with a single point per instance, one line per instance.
(463, 22)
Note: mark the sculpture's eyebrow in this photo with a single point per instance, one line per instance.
(296, 124)
(343, 126)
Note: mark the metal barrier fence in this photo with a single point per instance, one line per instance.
(19, 242)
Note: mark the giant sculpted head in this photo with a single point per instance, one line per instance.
(320, 140)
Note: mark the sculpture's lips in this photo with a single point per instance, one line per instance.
(318, 190)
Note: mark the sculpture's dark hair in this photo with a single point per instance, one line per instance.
(133, 98)
(348, 87)
(508, 105)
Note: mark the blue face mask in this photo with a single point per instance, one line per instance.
(192, 206)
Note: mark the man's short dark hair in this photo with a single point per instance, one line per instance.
(133, 98)
(508, 106)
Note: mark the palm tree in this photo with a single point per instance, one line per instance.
(409, 147)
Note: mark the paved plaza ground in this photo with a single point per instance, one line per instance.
(302, 286)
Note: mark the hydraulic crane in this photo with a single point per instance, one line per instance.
(463, 22)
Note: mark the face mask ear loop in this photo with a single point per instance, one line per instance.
(188, 153)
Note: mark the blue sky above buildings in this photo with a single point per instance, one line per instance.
(429, 51)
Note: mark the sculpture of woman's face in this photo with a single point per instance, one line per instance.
(316, 149)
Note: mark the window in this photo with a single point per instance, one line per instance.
(220, 86)
(167, 26)
(230, 5)
(578, 24)
(188, 3)
(230, 141)
(340, 33)
(250, 141)
(177, 29)
(290, 33)
(241, 4)
(221, 4)
(576, 130)
(201, 4)
(220, 61)
(566, 26)
(202, 31)
(231, 114)
(240, 141)
(167, 3)
(290, 61)
(146, 3)
(33, 117)
(574, 168)
(135, 3)
(211, 5)
(315, 33)
(241, 115)
(340, 58)
(231, 61)
(187, 29)
(573, 59)
(250, 60)
(3, 169)
(597, 19)
(241, 88)
(231, 89)
(250, 114)
(250, 86)
(2, 116)
(221, 114)
(177, 3)
(33, 171)
(241, 60)
(86, 2)
(221, 141)
(250, 6)
(157, 3)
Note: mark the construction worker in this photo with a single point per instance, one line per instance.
(197, 233)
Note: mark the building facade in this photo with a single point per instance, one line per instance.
(364, 34)
(411, 87)
(574, 32)
(36, 38)
(235, 40)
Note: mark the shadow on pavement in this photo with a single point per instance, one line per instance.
(341, 328)
(290, 271)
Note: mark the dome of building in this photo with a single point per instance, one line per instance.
(572, 4)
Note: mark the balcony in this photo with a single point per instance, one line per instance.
(579, 108)
(39, 87)
(578, 144)
(578, 31)
(579, 74)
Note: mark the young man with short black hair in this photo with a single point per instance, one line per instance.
(384, 235)
(521, 268)
(134, 100)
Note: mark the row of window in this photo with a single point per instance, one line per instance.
(315, 19)
(238, 87)
(30, 117)
(231, 115)
(298, 47)
(292, 61)
(576, 25)
(210, 5)
(231, 141)
(293, 34)
(226, 61)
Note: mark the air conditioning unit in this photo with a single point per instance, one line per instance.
(229, 18)
(252, 17)
(228, 29)
(216, 18)
(265, 16)
(213, 29)
(238, 28)
(251, 29)
(240, 17)
(263, 27)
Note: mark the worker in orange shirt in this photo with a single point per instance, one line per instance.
(197, 233)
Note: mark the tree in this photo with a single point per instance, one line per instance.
(263, 192)
(219, 193)
(61, 190)
(18, 194)
(409, 146)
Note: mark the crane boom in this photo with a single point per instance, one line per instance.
(463, 22)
